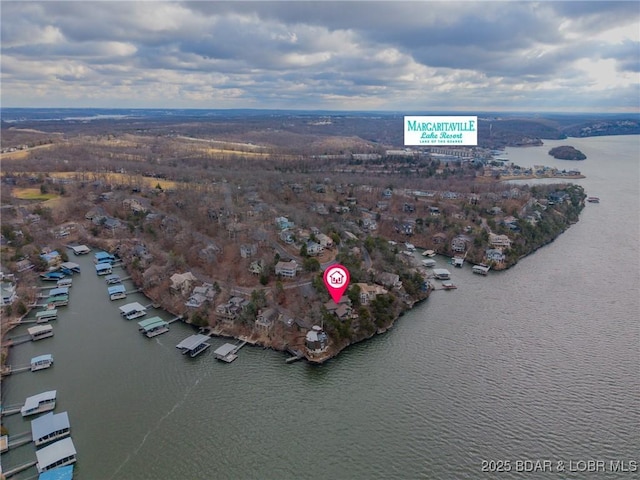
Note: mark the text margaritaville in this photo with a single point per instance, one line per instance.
(415, 126)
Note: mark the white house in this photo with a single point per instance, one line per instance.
(287, 269)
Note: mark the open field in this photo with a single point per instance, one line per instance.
(119, 178)
(33, 194)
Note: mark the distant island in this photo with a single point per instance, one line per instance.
(566, 152)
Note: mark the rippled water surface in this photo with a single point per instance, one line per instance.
(539, 362)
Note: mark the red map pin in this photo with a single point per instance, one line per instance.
(336, 279)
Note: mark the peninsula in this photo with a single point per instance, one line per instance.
(229, 222)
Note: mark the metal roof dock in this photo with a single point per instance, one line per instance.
(60, 453)
(41, 402)
(50, 427)
(227, 352)
(153, 326)
(194, 344)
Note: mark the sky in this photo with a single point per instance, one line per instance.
(351, 55)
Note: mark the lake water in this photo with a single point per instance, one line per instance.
(540, 362)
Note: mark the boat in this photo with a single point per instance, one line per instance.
(593, 199)
(50, 427)
(408, 253)
(481, 269)
(43, 402)
(429, 253)
(58, 454)
(441, 273)
(448, 286)
(429, 263)
(41, 362)
(153, 327)
(457, 262)
(194, 345)
(46, 315)
(133, 310)
(104, 257)
(40, 331)
(409, 246)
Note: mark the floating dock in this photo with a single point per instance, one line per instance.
(228, 352)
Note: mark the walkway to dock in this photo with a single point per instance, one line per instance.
(10, 410)
(10, 370)
(17, 340)
(179, 317)
(21, 468)
(17, 441)
(137, 290)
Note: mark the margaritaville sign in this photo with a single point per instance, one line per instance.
(458, 130)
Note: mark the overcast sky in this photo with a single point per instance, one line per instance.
(401, 56)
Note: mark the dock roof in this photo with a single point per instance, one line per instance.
(39, 328)
(116, 289)
(132, 307)
(34, 401)
(151, 323)
(59, 291)
(70, 265)
(55, 452)
(193, 341)
(42, 358)
(441, 271)
(225, 349)
(60, 473)
(48, 424)
(103, 266)
(50, 312)
(80, 249)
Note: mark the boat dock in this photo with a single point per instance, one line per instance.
(228, 352)
(296, 355)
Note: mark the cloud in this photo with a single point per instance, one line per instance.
(326, 55)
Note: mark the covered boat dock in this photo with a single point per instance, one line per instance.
(133, 310)
(194, 345)
(117, 292)
(153, 327)
(60, 473)
(50, 427)
(42, 402)
(58, 454)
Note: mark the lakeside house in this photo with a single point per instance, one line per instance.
(316, 341)
(368, 292)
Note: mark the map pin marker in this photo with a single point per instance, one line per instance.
(336, 279)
